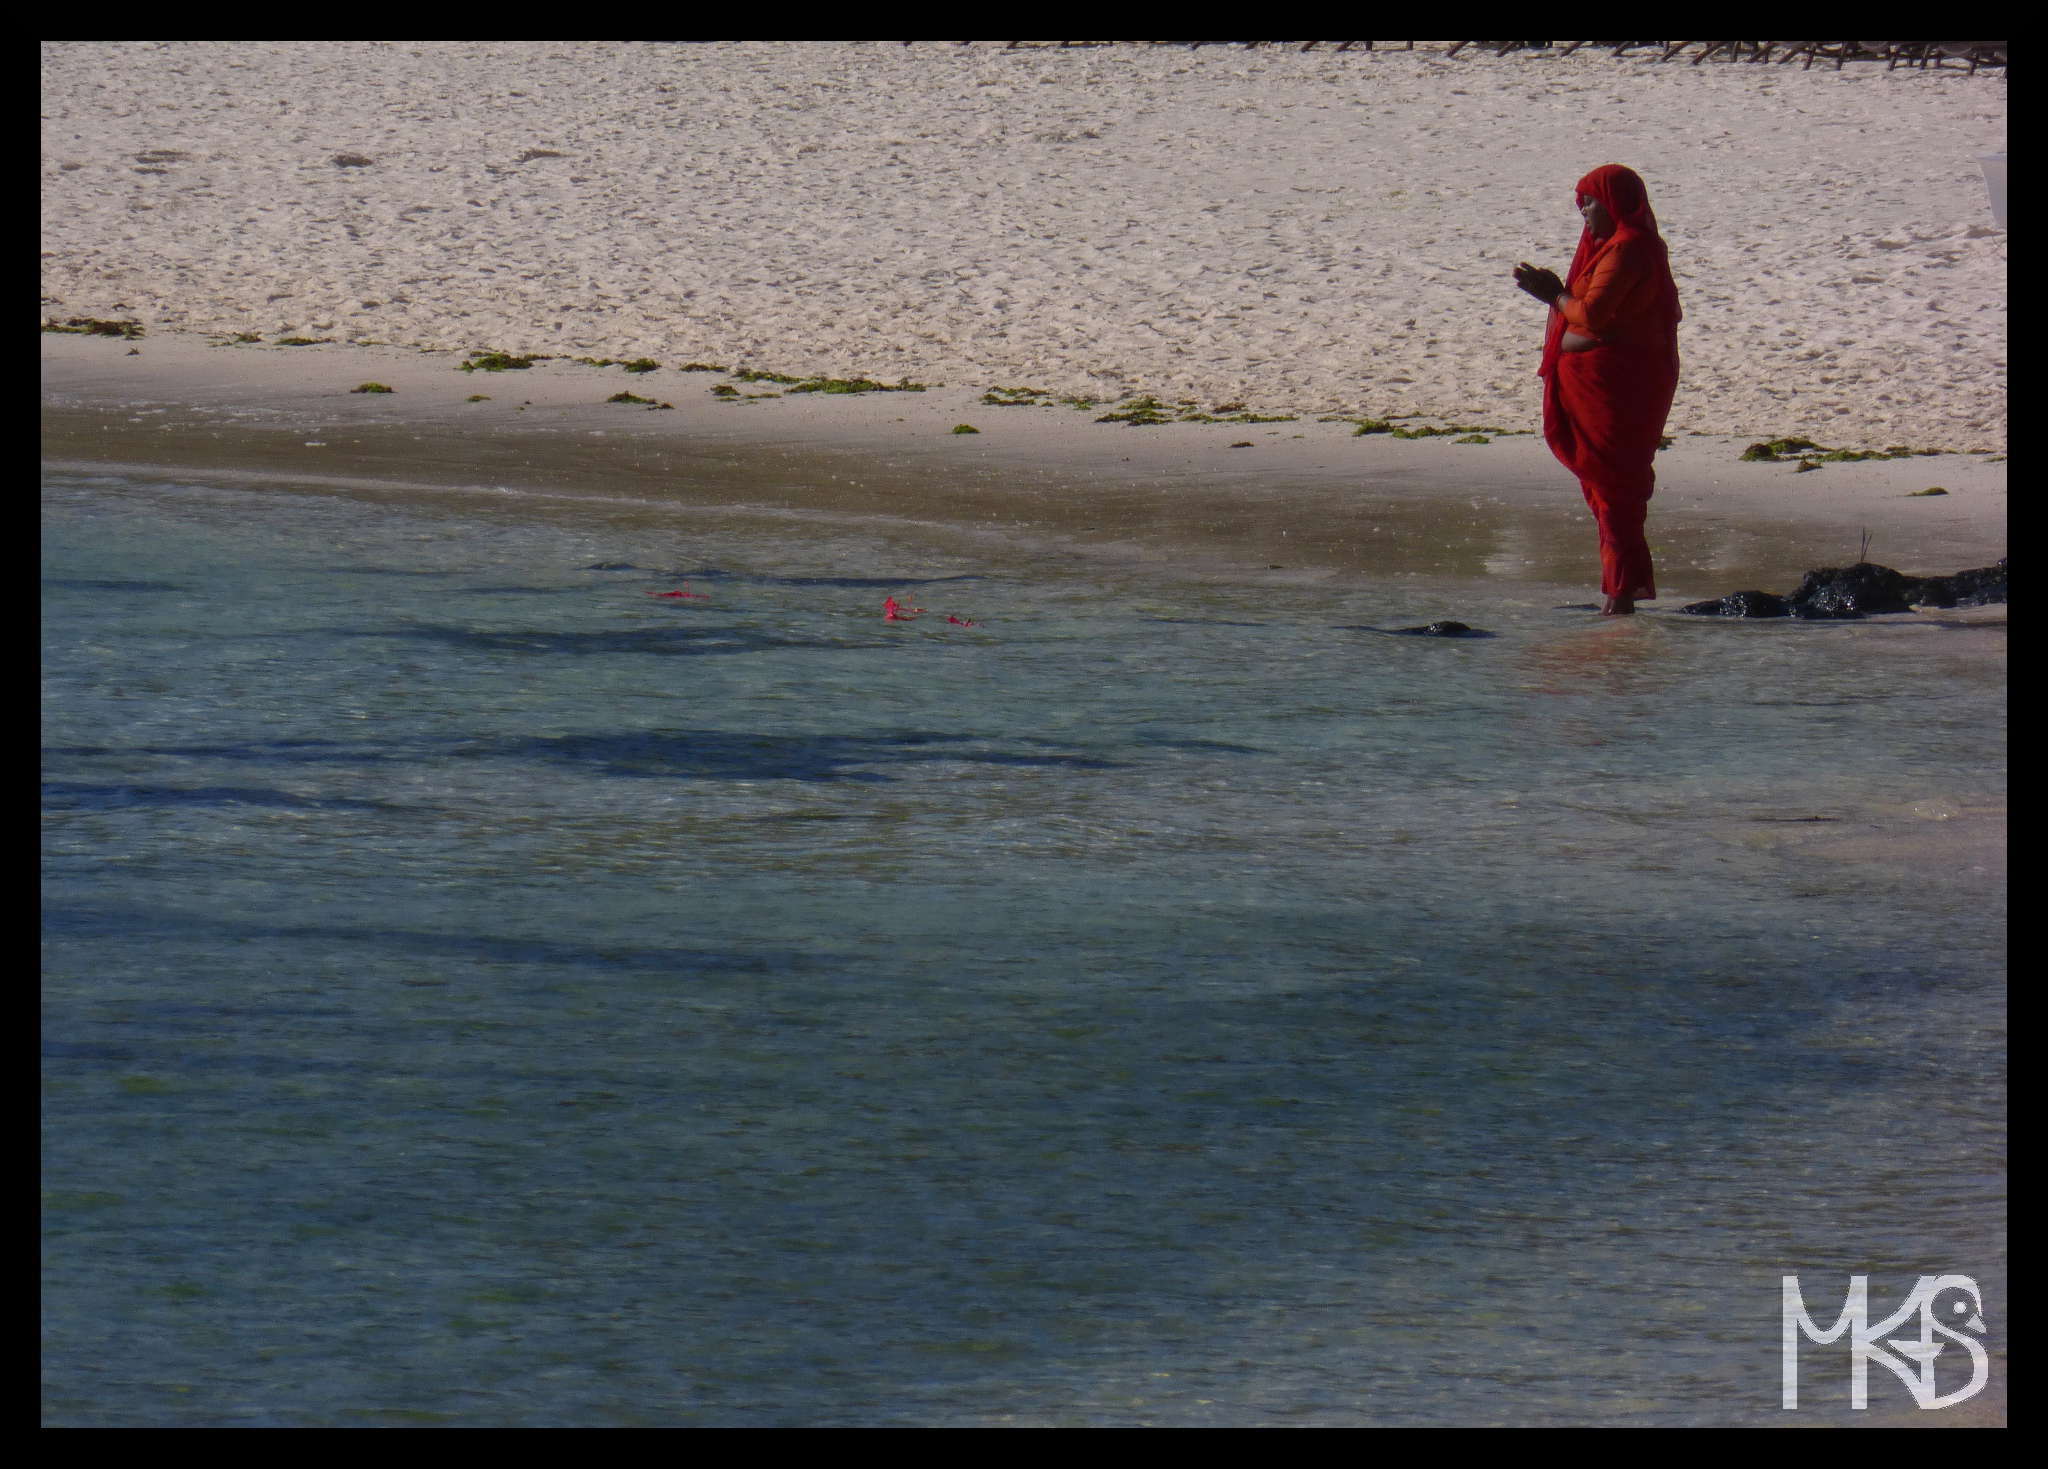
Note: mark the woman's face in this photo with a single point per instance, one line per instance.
(1598, 220)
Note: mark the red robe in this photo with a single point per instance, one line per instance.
(1604, 408)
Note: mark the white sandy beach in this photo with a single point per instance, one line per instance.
(1311, 233)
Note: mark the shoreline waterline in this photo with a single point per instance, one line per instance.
(1467, 532)
(1290, 498)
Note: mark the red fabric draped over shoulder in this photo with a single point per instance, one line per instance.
(1604, 408)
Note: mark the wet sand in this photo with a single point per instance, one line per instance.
(1299, 498)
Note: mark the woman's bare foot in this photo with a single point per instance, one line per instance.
(1618, 607)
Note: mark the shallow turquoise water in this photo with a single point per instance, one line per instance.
(479, 993)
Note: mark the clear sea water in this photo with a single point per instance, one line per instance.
(479, 993)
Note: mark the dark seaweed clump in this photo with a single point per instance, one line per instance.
(852, 385)
(1811, 455)
(1144, 410)
(489, 361)
(1863, 590)
(1474, 433)
(87, 326)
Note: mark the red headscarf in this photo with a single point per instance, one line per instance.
(1621, 193)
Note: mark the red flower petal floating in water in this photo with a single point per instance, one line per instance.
(894, 611)
(685, 592)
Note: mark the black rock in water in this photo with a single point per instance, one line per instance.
(1860, 591)
(1850, 591)
(1445, 630)
(1975, 588)
(1741, 604)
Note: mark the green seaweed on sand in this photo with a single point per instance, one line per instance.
(823, 384)
(1471, 431)
(1772, 449)
(1930, 490)
(701, 367)
(1811, 455)
(303, 342)
(965, 428)
(478, 398)
(1022, 397)
(1141, 412)
(725, 390)
(855, 385)
(1001, 397)
(372, 388)
(485, 360)
(640, 364)
(1145, 410)
(87, 326)
(629, 398)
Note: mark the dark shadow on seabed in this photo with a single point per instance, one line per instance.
(661, 642)
(431, 948)
(677, 754)
(975, 1199)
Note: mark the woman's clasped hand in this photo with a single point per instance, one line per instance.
(1538, 282)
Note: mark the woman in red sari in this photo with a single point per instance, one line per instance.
(1610, 368)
